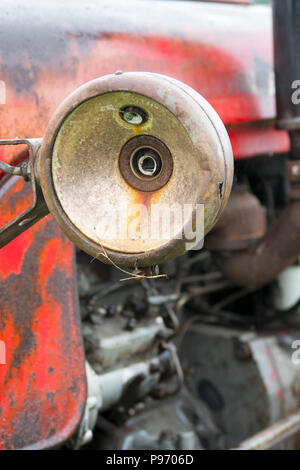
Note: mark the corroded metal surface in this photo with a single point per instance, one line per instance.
(37, 209)
(223, 51)
(242, 223)
(80, 155)
(265, 259)
(43, 381)
(250, 255)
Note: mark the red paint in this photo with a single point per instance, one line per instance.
(226, 54)
(11, 260)
(223, 53)
(42, 385)
(245, 142)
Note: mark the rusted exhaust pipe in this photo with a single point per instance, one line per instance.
(242, 223)
(261, 260)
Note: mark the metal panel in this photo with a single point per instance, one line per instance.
(223, 51)
(42, 384)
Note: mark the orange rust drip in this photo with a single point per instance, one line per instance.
(143, 197)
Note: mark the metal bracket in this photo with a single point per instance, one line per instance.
(38, 208)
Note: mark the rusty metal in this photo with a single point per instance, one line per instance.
(98, 41)
(43, 385)
(235, 76)
(242, 222)
(25, 168)
(10, 170)
(264, 260)
(38, 209)
(274, 435)
(247, 255)
(133, 115)
(261, 262)
(80, 154)
(164, 163)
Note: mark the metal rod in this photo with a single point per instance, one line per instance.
(11, 170)
(273, 435)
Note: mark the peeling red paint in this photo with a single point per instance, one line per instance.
(228, 59)
(42, 385)
(225, 57)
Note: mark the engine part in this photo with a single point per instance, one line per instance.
(122, 387)
(248, 381)
(125, 164)
(242, 223)
(112, 344)
(128, 356)
(274, 435)
(127, 143)
(176, 423)
(106, 390)
(263, 260)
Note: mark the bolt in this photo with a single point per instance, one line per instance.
(133, 118)
(133, 115)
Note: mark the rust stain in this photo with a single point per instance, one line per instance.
(42, 386)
